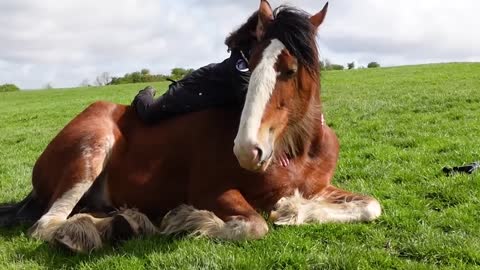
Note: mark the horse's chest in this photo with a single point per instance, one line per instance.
(265, 190)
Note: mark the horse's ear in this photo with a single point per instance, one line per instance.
(318, 18)
(265, 17)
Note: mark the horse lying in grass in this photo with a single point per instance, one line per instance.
(183, 170)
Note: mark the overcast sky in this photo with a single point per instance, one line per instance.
(66, 41)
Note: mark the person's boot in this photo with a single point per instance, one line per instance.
(149, 90)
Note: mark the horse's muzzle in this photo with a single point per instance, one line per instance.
(253, 157)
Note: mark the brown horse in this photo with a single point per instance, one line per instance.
(184, 169)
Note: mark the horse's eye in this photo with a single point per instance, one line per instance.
(291, 72)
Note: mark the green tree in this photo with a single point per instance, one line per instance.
(136, 77)
(8, 87)
(373, 65)
(336, 67)
(328, 65)
(145, 72)
(144, 75)
(179, 73)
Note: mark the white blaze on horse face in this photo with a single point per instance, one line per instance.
(260, 88)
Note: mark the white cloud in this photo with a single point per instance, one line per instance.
(405, 32)
(64, 42)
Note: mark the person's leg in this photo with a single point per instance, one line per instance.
(142, 102)
(151, 110)
(180, 99)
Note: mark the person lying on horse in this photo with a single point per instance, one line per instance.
(214, 85)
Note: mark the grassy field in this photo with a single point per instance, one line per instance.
(398, 127)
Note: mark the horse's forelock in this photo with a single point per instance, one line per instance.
(293, 28)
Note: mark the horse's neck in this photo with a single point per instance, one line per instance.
(300, 136)
(314, 127)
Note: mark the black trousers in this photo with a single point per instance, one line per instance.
(180, 99)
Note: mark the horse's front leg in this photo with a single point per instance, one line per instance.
(229, 217)
(330, 205)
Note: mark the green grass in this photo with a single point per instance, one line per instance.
(398, 127)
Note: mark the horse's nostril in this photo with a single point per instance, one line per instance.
(258, 153)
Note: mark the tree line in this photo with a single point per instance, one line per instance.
(8, 87)
(176, 74)
(141, 76)
(327, 65)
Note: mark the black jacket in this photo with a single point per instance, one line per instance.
(215, 85)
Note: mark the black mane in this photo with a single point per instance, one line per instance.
(293, 28)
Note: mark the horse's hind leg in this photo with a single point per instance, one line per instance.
(330, 205)
(78, 172)
(236, 219)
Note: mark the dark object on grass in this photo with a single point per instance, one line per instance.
(469, 169)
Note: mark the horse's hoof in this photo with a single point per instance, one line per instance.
(67, 243)
(139, 221)
(78, 235)
(273, 217)
(175, 219)
(178, 212)
(121, 229)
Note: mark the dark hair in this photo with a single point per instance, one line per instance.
(293, 28)
(243, 37)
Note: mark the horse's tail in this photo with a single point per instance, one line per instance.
(27, 211)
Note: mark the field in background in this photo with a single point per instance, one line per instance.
(397, 126)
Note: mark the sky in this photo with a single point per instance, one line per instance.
(64, 42)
